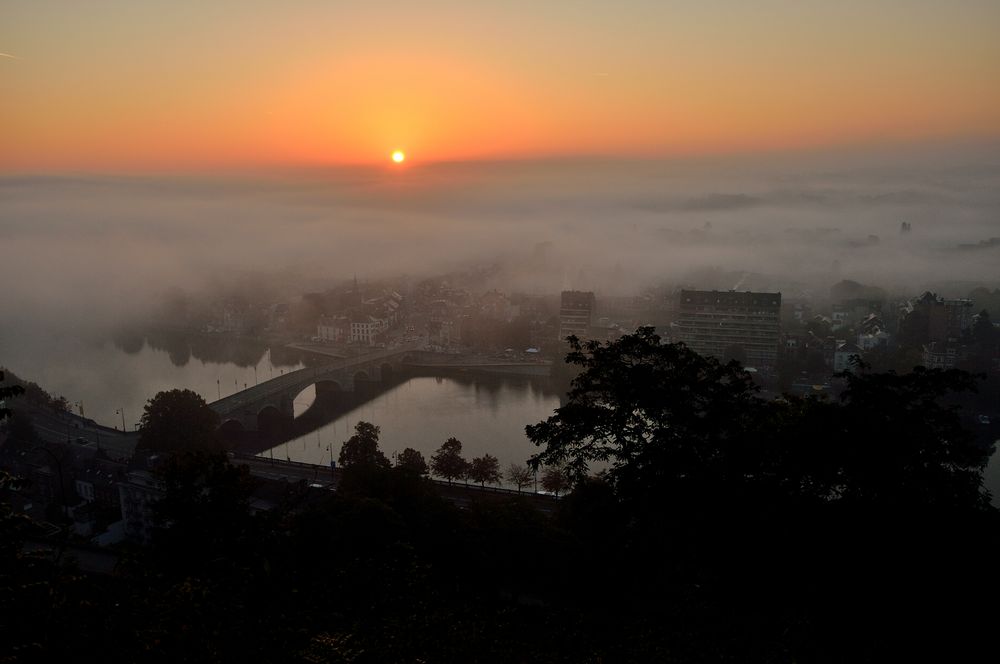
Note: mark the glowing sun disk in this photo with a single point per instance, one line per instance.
(398, 156)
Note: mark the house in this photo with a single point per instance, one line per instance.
(843, 356)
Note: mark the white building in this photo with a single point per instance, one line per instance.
(366, 329)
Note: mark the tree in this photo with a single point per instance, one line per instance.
(205, 501)
(448, 463)
(361, 449)
(177, 420)
(411, 461)
(676, 426)
(519, 475)
(554, 479)
(485, 469)
(654, 412)
(901, 442)
(7, 392)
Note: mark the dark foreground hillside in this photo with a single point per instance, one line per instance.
(725, 528)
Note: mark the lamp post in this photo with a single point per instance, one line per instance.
(255, 374)
(218, 387)
(121, 411)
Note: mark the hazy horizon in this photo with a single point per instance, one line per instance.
(98, 247)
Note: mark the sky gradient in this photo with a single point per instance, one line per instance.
(109, 85)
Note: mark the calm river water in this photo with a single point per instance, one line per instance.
(488, 414)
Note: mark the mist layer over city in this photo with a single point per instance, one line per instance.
(563, 332)
(89, 250)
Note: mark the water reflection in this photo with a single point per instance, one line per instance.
(487, 413)
(104, 377)
(181, 347)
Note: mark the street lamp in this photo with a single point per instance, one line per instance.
(121, 411)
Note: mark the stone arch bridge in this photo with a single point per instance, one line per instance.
(275, 397)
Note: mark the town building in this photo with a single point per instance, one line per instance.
(575, 313)
(366, 329)
(946, 318)
(724, 323)
(942, 355)
(333, 328)
(843, 357)
(138, 493)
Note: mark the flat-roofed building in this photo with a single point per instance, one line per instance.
(575, 313)
(720, 323)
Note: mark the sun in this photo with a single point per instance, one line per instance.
(398, 156)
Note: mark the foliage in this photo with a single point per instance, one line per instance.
(519, 475)
(672, 424)
(448, 463)
(7, 392)
(485, 469)
(555, 480)
(205, 500)
(32, 393)
(811, 530)
(412, 461)
(179, 420)
(649, 410)
(899, 442)
(361, 449)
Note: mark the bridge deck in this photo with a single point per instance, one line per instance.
(290, 380)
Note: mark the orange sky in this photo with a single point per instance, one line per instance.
(114, 84)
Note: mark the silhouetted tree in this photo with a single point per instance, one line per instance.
(448, 463)
(485, 469)
(900, 441)
(554, 479)
(654, 412)
(519, 475)
(205, 500)
(7, 392)
(178, 420)
(412, 461)
(670, 422)
(361, 449)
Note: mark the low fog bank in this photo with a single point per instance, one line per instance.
(84, 253)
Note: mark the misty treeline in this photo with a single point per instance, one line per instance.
(724, 528)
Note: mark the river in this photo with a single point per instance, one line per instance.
(111, 380)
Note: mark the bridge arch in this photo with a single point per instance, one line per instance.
(231, 431)
(232, 425)
(328, 385)
(270, 419)
(386, 371)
